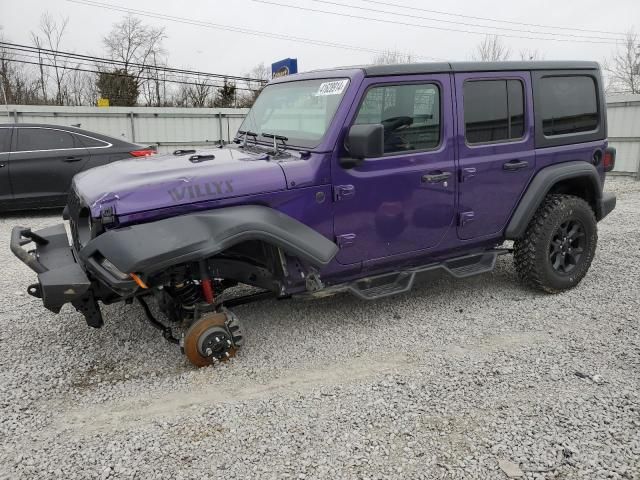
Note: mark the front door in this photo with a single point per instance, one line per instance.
(403, 201)
(43, 162)
(496, 148)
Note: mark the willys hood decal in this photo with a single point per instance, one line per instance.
(159, 181)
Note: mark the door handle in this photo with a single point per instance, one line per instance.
(2, 165)
(72, 159)
(514, 165)
(436, 177)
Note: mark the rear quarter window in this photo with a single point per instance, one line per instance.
(569, 105)
(90, 142)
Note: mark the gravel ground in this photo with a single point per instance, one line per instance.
(457, 379)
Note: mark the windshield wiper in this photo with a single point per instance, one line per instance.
(248, 133)
(275, 140)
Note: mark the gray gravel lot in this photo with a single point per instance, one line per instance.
(448, 381)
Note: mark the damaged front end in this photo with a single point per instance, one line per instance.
(183, 263)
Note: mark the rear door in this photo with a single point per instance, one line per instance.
(43, 162)
(496, 148)
(5, 147)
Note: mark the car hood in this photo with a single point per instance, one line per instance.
(159, 181)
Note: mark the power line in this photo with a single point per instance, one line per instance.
(117, 74)
(170, 78)
(407, 24)
(245, 31)
(198, 78)
(28, 48)
(454, 22)
(486, 19)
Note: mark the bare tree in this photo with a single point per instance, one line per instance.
(491, 49)
(391, 57)
(259, 75)
(623, 69)
(19, 85)
(139, 48)
(200, 93)
(49, 39)
(154, 86)
(80, 88)
(531, 55)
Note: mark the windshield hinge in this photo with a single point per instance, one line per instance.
(107, 215)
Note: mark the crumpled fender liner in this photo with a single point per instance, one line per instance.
(154, 246)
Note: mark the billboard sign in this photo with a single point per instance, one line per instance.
(285, 67)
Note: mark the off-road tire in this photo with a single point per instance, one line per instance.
(532, 252)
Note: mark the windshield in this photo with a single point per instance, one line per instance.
(300, 111)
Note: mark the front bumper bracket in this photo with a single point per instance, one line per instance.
(60, 279)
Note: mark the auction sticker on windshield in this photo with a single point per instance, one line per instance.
(335, 87)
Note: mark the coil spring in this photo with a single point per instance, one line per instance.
(187, 294)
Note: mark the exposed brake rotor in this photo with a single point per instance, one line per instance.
(214, 337)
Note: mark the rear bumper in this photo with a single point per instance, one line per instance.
(606, 205)
(60, 278)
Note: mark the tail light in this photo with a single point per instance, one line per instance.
(609, 161)
(142, 153)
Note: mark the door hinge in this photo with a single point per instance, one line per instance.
(346, 240)
(343, 192)
(466, 217)
(467, 173)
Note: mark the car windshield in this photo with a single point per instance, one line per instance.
(301, 111)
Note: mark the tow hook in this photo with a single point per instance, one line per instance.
(35, 290)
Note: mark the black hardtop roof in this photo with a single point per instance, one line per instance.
(438, 67)
(445, 67)
(458, 67)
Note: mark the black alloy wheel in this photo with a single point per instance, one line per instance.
(567, 246)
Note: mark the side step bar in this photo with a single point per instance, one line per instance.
(387, 284)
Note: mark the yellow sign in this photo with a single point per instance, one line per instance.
(103, 102)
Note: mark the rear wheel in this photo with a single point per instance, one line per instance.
(559, 244)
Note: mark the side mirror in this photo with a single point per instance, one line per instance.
(364, 141)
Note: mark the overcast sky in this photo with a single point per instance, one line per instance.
(219, 51)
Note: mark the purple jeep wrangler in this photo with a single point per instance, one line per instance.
(354, 179)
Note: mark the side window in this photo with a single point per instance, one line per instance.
(43, 139)
(569, 105)
(410, 115)
(493, 111)
(89, 142)
(5, 140)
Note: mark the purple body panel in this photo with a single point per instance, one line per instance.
(488, 193)
(162, 181)
(391, 211)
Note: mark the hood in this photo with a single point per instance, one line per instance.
(159, 181)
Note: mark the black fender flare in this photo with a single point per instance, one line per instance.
(540, 186)
(154, 246)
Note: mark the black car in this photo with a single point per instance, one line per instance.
(38, 161)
